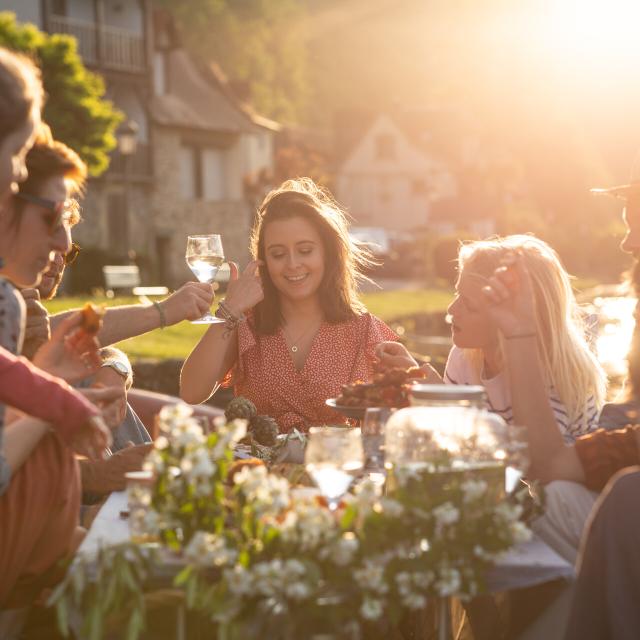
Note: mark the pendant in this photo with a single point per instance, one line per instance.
(294, 349)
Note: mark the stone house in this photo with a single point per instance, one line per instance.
(196, 142)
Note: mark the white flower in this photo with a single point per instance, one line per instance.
(161, 443)
(239, 580)
(449, 581)
(229, 433)
(343, 550)
(154, 462)
(209, 550)
(308, 525)
(507, 511)
(414, 601)
(446, 514)
(371, 575)
(520, 532)
(407, 472)
(391, 507)
(268, 494)
(297, 591)
(473, 489)
(371, 609)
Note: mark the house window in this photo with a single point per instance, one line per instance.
(203, 174)
(160, 77)
(190, 172)
(59, 7)
(385, 147)
(214, 174)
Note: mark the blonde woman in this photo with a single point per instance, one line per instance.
(485, 334)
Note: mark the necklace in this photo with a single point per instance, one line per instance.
(294, 343)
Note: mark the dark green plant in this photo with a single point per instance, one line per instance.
(75, 108)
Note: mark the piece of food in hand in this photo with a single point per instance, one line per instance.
(264, 429)
(92, 316)
(240, 408)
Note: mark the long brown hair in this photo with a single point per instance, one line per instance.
(344, 259)
(20, 91)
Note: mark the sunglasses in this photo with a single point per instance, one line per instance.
(72, 254)
(58, 213)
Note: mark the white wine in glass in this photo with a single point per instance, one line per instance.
(333, 456)
(204, 257)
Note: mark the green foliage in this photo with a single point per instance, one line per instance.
(75, 108)
(258, 43)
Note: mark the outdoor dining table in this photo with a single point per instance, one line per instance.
(525, 565)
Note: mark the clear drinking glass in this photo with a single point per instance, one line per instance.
(332, 457)
(139, 489)
(204, 257)
(375, 419)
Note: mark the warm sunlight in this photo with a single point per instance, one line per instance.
(593, 30)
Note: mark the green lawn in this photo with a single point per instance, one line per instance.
(177, 341)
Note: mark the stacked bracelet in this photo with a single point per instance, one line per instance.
(160, 310)
(231, 320)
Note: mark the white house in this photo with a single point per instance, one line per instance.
(385, 180)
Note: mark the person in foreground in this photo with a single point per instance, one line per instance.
(39, 488)
(305, 333)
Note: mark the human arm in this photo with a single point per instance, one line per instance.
(216, 352)
(509, 299)
(189, 302)
(395, 354)
(107, 475)
(37, 326)
(22, 436)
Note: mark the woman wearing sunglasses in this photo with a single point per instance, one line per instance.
(39, 488)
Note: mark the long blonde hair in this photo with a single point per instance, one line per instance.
(569, 365)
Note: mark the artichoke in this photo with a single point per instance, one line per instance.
(264, 430)
(240, 408)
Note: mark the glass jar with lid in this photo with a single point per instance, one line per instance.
(447, 395)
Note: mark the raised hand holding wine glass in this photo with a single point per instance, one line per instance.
(204, 257)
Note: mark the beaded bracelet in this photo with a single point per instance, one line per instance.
(231, 320)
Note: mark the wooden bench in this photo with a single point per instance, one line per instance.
(126, 278)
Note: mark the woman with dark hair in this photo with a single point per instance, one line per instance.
(306, 333)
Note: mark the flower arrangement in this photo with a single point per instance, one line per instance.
(264, 559)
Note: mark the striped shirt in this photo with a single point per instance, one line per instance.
(460, 371)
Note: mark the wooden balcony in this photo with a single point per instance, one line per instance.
(103, 46)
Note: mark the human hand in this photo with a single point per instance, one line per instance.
(190, 302)
(105, 476)
(509, 298)
(92, 438)
(37, 328)
(71, 353)
(394, 354)
(245, 291)
(112, 401)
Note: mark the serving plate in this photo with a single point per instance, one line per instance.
(356, 413)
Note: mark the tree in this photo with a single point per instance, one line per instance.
(75, 108)
(260, 44)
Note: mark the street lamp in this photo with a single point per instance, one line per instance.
(127, 144)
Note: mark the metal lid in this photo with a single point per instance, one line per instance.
(448, 392)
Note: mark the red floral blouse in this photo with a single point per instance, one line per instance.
(340, 354)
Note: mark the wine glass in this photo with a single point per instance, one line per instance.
(332, 457)
(204, 257)
(375, 419)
